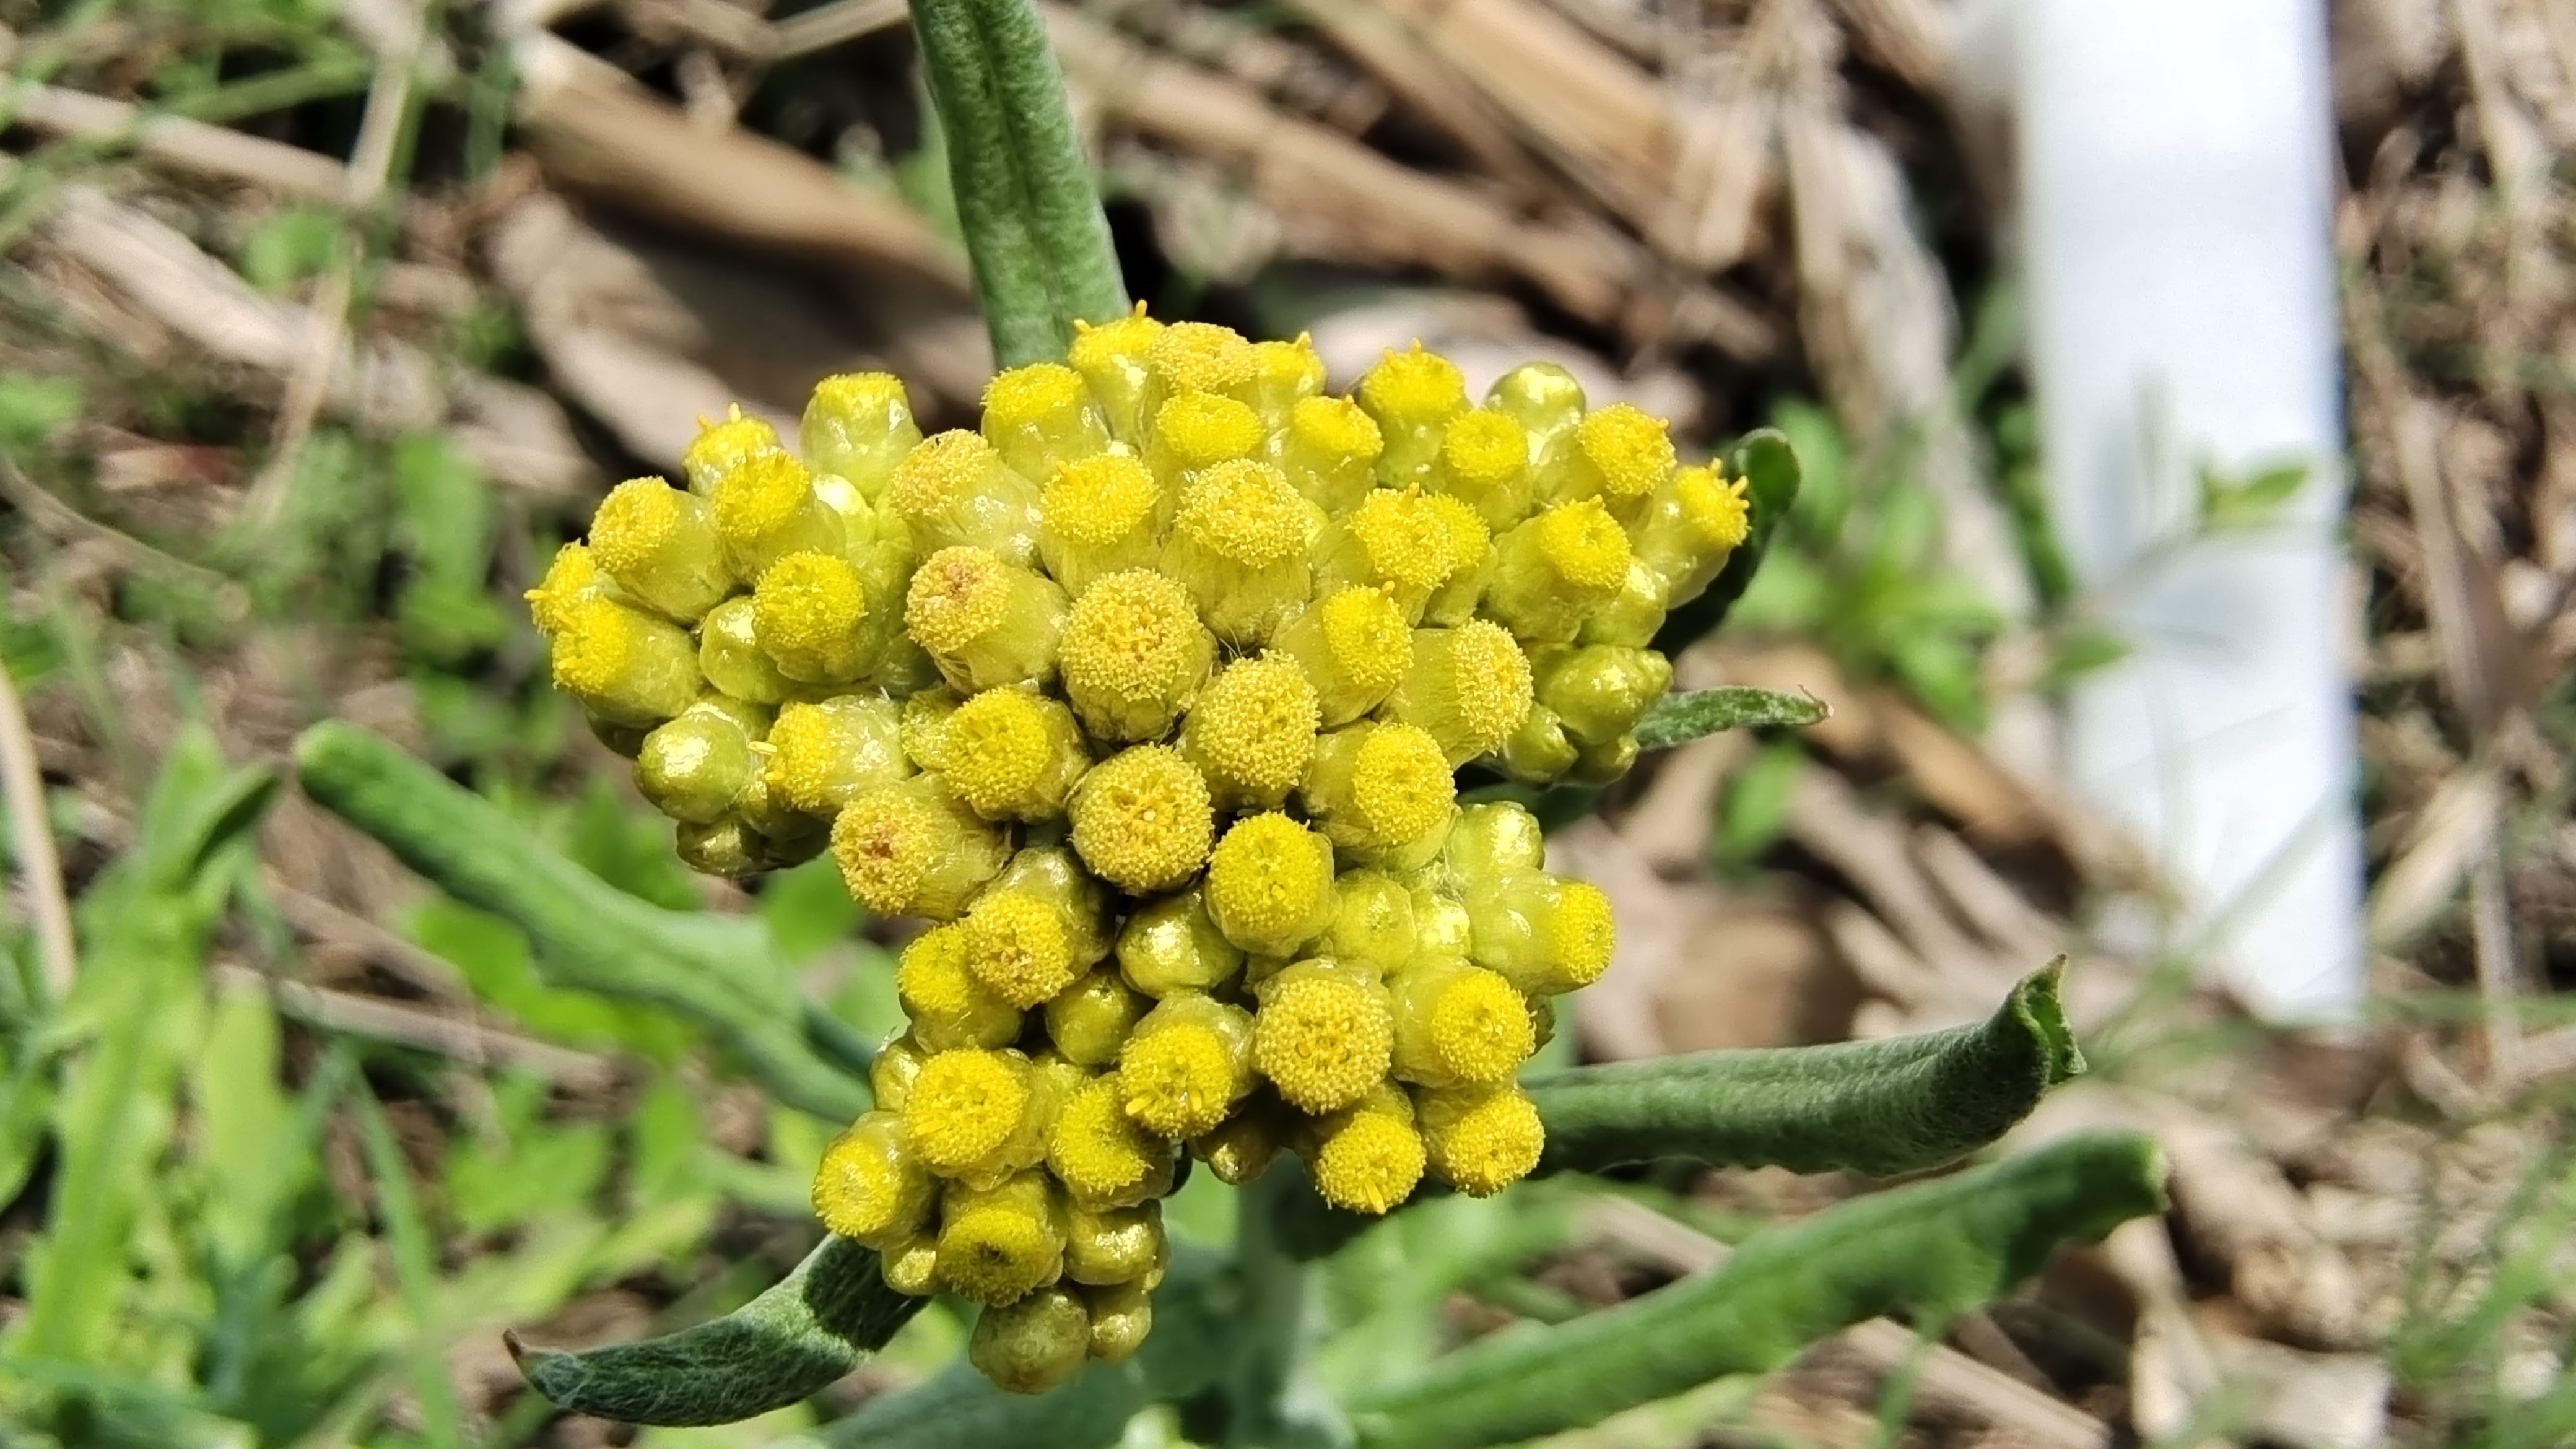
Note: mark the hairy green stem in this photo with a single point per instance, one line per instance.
(1276, 1401)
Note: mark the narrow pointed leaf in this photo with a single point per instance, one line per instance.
(782, 1347)
(589, 935)
(1769, 468)
(1878, 1107)
(1678, 719)
(1936, 1249)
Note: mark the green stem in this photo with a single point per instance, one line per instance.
(1034, 228)
(1277, 1402)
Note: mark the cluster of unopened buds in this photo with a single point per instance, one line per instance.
(1151, 694)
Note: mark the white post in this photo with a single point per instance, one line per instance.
(2176, 209)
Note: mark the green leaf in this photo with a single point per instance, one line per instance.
(1034, 228)
(714, 969)
(1936, 1249)
(1769, 468)
(34, 407)
(1753, 813)
(1879, 1107)
(786, 1345)
(1677, 719)
(289, 245)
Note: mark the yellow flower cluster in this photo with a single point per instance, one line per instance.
(1150, 694)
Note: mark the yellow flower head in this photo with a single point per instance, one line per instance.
(1483, 450)
(1189, 1061)
(637, 522)
(1583, 545)
(570, 578)
(999, 1245)
(765, 505)
(1142, 819)
(1414, 388)
(1481, 1142)
(958, 596)
(937, 475)
(1368, 1161)
(1098, 1152)
(1199, 430)
(913, 849)
(720, 448)
(1012, 753)
(1244, 513)
(1253, 730)
(1018, 947)
(1099, 502)
(1402, 542)
(1133, 654)
(1715, 509)
(1621, 453)
(1582, 934)
(1200, 357)
(1335, 427)
(1270, 884)
(965, 1107)
(1457, 1023)
(1323, 1036)
(870, 1187)
(806, 612)
(628, 667)
(1380, 786)
(1039, 396)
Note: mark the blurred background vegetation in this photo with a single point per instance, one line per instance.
(323, 324)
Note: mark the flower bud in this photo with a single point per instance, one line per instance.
(955, 491)
(870, 1188)
(1548, 403)
(898, 1063)
(571, 576)
(1441, 929)
(1480, 1139)
(1239, 546)
(1192, 357)
(950, 1007)
(1196, 431)
(1368, 1158)
(808, 613)
(1412, 395)
(1552, 571)
(1600, 691)
(1398, 540)
(1539, 752)
(1028, 937)
(1253, 731)
(973, 1115)
(912, 848)
(1111, 358)
(858, 426)
(1372, 922)
(1604, 763)
(1484, 463)
(911, 1267)
(724, 847)
(1098, 517)
(1284, 374)
(1324, 1034)
(1089, 1020)
(626, 666)
(1172, 946)
(1001, 1243)
(1134, 655)
(823, 753)
(1621, 455)
(1269, 884)
(925, 725)
(730, 656)
(1493, 840)
(1328, 450)
(1469, 688)
(1695, 524)
(659, 543)
(1354, 647)
(692, 767)
(1471, 565)
(1546, 935)
(721, 447)
(1102, 1156)
(1457, 1024)
(1033, 1344)
(1141, 819)
(1013, 754)
(1243, 1146)
(1380, 791)
(1114, 1245)
(1189, 1061)
(1122, 1314)
(766, 509)
(1634, 617)
(1040, 417)
(986, 623)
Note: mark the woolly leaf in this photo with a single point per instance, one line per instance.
(1677, 719)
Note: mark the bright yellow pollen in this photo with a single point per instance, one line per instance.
(1098, 343)
(958, 595)
(596, 644)
(912, 1266)
(1100, 500)
(1468, 536)
(1254, 727)
(964, 1106)
(1095, 1149)
(1130, 637)
(573, 576)
(1406, 542)
(1481, 1028)
(1200, 357)
(1585, 546)
(1245, 513)
(1288, 367)
(1323, 1041)
(808, 604)
(860, 394)
(1370, 1165)
(1717, 511)
(1629, 448)
(883, 841)
(867, 1187)
(1199, 429)
(1582, 933)
(1178, 1081)
(1414, 386)
(996, 749)
(1365, 631)
(1484, 448)
(1142, 820)
(1336, 427)
(633, 523)
(1269, 882)
(1401, 784)
(998, 1254)
(1489, 1146)
(1033, 394)
(721, 447)
(939, 470)
(1491, 683)
(1017, 947)
(760, 496)
(931, 978)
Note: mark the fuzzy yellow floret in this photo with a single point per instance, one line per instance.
(899, 848)
(1323, 1039)
(1101, 500)
(806, 613)
(1017, 946)
(1485, 1145)
(1370, 1164)
(1198, 430)
(937, 472)
(1584, 545)
(1286, 370)
(1142, 819)
(1336, 427)
(1177, 1082)
(911, 1267)
(761, 495)
(1200, 357)
(869, 1187)
(1031, 396)
(1129, 336)
(606, 653)
(1400, 783)
(1133, 653)
(635, 523)
(570, 578)
(860, 395)
(964, 1107)
(1468, 536)
(1489, 684)
(1253, 729)
(1713, 508)
(1628, 449)
(931, 979)
(1000, 748)
(1365, 634)
(1096, 1149)
(1415, 386)
(958, 595)
(1270, 884)
(1480, 1027)
(999, 1245)
(721, 447)
(1483, 449)
(1404, 540)
(1244, 513)
(1582, 933)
